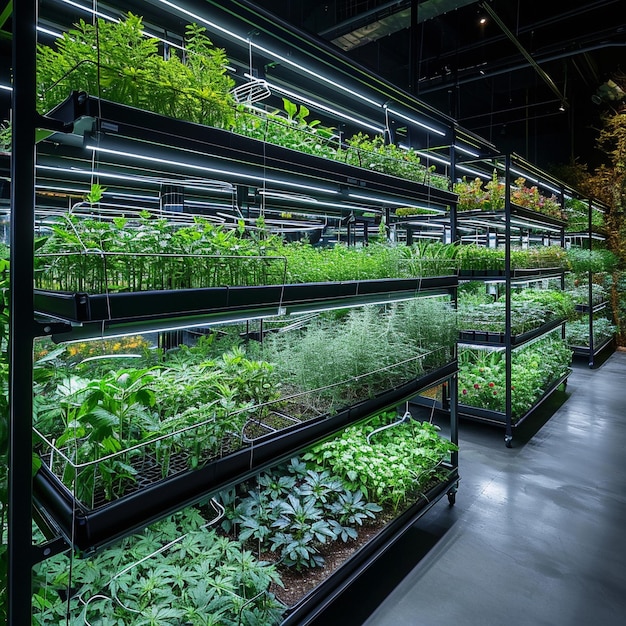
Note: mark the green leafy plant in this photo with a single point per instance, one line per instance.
(116, 61)
(293, 510)
(390, 466)
(577, 331)
(178, 571)
(534, 368)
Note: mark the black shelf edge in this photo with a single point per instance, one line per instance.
(90, 530)
(585, 308)
(497, 339)
(516, 211)
(516, 274)
(153, 309)
(329, 590)
(126, 126)
(586, 350)
(499, 418)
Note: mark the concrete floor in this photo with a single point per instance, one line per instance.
(537, 535)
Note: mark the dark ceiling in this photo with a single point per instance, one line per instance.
(505, 79)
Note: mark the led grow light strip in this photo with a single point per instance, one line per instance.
(47, 31)
(271, 53)
(466, 151)
(323, 107)
(412, 120)
(431, 157)
(110, 18)
(385, 201)
(354, 305)
(212, 170)
(473, 172)
(6, 87)
(196, 185)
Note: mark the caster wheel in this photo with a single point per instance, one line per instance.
(508, 442)
(452, 497)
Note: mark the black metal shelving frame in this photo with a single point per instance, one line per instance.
(79, 315)
(506, 219)
(592, 352)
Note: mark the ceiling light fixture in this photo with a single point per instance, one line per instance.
(203, 168)
(322, 107)
(412, 120)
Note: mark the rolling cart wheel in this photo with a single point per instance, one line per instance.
(452, 496)
(508, 441)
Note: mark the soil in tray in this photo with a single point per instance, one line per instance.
(298, 584)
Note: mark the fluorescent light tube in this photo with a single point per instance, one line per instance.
(412, 120)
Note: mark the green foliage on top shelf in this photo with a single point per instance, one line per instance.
(290, 129)
(116, 61)
(596, 260)
(293, 129)
(475, 195)
(177, 571)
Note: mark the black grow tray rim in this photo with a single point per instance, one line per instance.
(172, 304)
(93, 529)
(324, 594)
(498, 418)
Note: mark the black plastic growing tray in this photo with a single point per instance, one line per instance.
(321, 597)
(499, 418)
(499, 339)
(88, 530)
(154, 309)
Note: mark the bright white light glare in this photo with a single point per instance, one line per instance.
(271, 54)
(212, 170)
(466, 151)
(554, 190)
(323, 107)
(47, 31)
(277, 195)
(394, 202)
(339, 307)
(76, 5)
(531, 225)
(412, 120)
(432, 157)
(524, 175)
(6, 87)
(473, 172)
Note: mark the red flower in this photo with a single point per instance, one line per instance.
(495, 393)
(476, 386)
(464, 392)
(492, 384)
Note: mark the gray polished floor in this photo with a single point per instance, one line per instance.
(538, 532)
